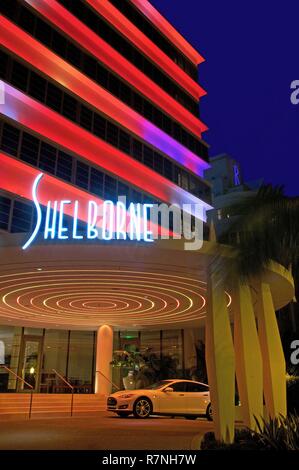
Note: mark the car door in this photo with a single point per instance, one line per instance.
(173, 402)
(197, 398)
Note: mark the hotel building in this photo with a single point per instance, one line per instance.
(102, 98)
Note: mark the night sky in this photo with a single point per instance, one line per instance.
(252, 55)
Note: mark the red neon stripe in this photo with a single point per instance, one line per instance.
(24, 46)
(64, 20)
(142, 42)
(168, 30)
(50, 189)
(47, 123)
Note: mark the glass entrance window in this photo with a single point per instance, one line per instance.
(10, 342)
(55, 356)
(172, 346)
(81, 359)
(30, 363)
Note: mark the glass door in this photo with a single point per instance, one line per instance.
(30, 360)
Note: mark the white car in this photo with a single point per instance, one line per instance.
(168, 397)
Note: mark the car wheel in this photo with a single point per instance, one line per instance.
(209, 413)
(191, 417)
(122, 414)
(142, 408)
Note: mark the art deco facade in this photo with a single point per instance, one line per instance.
(103, 98)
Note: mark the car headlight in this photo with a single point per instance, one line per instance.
(127, 395)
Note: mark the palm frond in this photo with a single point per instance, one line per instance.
(268, 228)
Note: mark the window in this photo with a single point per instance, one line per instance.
(137, 102)
(27, 20)
(184, 180)
(195, 387)
(96, 182)
(114, 85)
(47, 158)
(167, 125)
(148, 110)
(99, 126)
(10, 9)
(73, 54)
(123, 190)
(168, 169)
(172, 346)
(177, 132)
(29, 149)
(150, 342)
(112, 134)
(86, 118)
(124, 141)
(69, 108)
(102, 76)
(137, 149)
(54, 355)
(82, 175)
(178, 386)
(59, 43)
(19, 76)
(148, 156)
(125, 93)
(158, 163)
(90, 66)
(64, 166)
(43, 32)
(195, 186)
(5, 204)
(3, 64)
(21, 217)
(10, 340)
(110, 188)
(81, 351)
(10, 139)
(54, 97)
(37, 87)
(136, 196)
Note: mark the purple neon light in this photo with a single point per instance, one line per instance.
(65, 74)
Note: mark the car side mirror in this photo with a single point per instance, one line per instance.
(168, 389)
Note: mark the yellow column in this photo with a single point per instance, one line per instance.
(220, 356)
(273, 357)
(103, 360)
(249, 369)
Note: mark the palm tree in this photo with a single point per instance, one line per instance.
(267, 228)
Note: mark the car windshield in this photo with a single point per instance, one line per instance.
(158, 385)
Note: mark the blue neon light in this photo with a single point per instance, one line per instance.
(38, 211)
(117, 222)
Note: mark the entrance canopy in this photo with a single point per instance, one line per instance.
(126, 285)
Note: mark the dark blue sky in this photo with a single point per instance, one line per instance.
(252, 55)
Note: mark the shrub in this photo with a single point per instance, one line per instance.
(244, 440)
(276, 434)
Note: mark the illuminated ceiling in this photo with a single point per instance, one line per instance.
(125, 284)
(91, 297)
(128, 285)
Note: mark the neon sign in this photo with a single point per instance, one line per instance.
(105, 221)
(237, 179)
